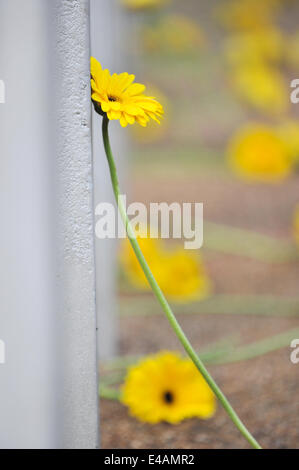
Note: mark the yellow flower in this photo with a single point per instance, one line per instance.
(143, 4)
(180, 274)
(257, 153)
(120, 98)
(262, 87)
(166, 387)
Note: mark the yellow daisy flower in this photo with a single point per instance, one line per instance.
(166, 387)
(143, 4)
(120, 98)
(257, 153)
(180, 273)
(183, 277)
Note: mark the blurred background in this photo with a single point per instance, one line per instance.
(229, 139)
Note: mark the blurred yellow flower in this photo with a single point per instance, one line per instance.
(174, 34)
(122, 99)
(261, 87)
(153, 133)
(257, 153)
(143, 4)
(180, 273)
(289, 132)
(150, 248)
(296, 224)
(167, 387)
(260, 47)
(247, 15)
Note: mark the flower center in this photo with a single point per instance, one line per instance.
(168, 397)
(112, 98)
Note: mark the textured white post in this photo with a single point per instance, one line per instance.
(76, 228)
(48, 384)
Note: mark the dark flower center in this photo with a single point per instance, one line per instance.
(168, 397)
(112, 98)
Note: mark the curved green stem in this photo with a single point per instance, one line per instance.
(161, 298)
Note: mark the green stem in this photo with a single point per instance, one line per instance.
(109, 393)
(256, 349)
(162, 300)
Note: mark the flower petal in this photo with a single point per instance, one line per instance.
(114, 114)
(135, 89)
(129, 118)
(95, 67)
(123, 121)
(105, 106)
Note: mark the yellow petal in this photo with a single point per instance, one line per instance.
(125, 80)
(96, 97)
(132, 109)
(115, 105)
(149, 106)
(114, 114)
(123, 121)
(135, 89)
(105, 106)
(95, 67)
(130, 119)
(142, 121)
(154, 117)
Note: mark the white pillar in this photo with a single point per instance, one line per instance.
(48, 384)
(76, 227)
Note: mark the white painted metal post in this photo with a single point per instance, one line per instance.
(76, 227)
(48, 383)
